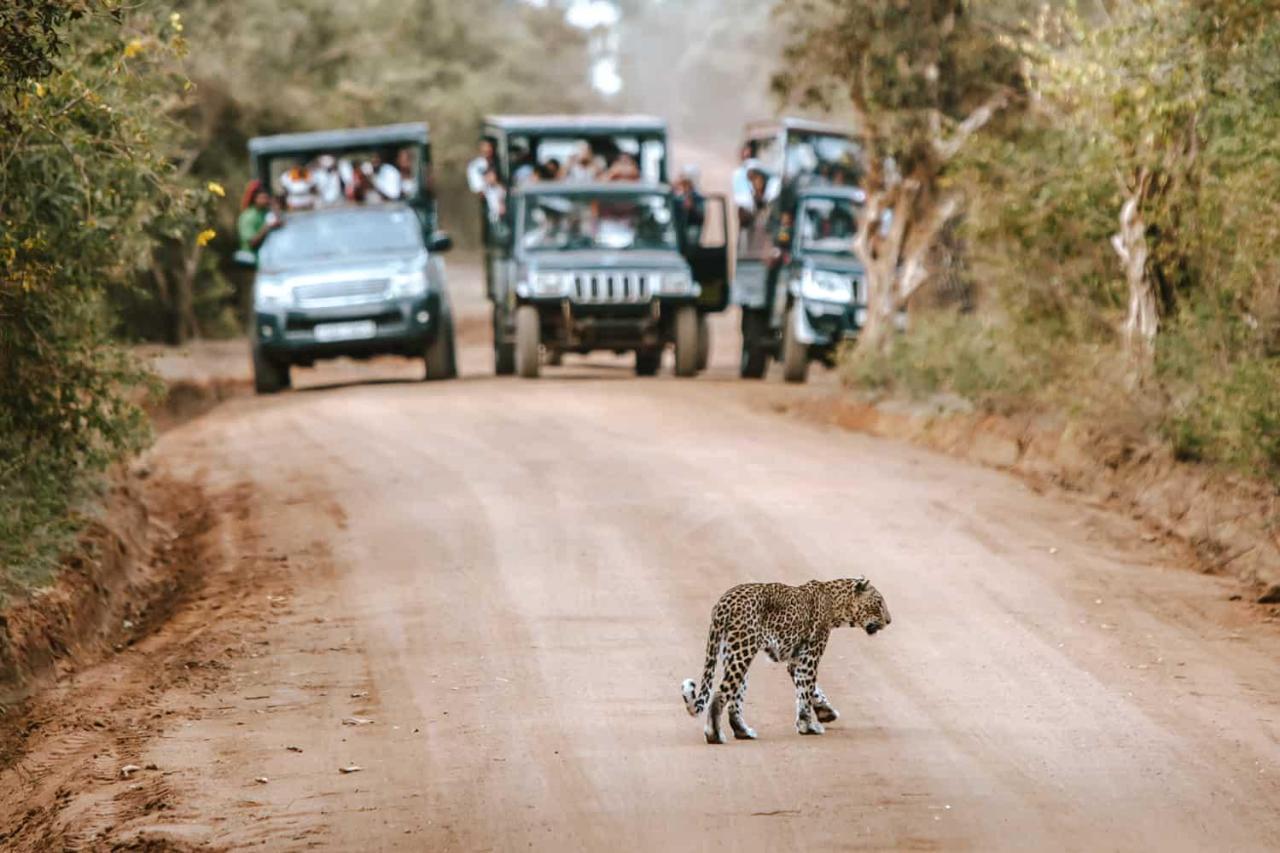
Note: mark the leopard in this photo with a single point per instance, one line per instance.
(792, 625)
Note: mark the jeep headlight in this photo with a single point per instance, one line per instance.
(271, 293)
(410, 283)
(826, 286)
(673, 283)
(550, 283)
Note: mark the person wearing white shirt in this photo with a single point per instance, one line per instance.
(328, 182)
(741, 183)
(384, 180)
(299, 188)
(404, 165)
(585, 166)
(495, 196)
(478, 166)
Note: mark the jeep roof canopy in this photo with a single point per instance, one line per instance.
(770, 127)
(338, 141)
(577, 125)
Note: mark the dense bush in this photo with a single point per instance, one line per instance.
(86, 189)
(1188, 93)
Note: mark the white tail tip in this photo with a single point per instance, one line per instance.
(690, 691)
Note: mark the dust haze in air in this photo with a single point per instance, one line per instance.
(705, 66)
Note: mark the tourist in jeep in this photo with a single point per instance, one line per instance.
(690, 204)
(257, 220)
(625, 168)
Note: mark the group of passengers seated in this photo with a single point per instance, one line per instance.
(328, 180)
(755, 189)
(585, 165)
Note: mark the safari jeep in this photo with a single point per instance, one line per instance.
(349, 279)
(795, 278)
(524, 143)
(825, 298)
(601, 267)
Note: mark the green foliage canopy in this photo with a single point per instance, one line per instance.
(84, 188)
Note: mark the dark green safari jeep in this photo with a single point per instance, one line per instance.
(801, 289)
(350, 264)
(587, 249)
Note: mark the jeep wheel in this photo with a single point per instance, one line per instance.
(648, 361)
(528, 341)
(754, 357)
(795, 355)
(686, 341)
(441, 358)
(504, 355)
(704, 342)
(268, 377)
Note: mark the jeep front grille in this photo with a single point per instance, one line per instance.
(610, 287)
(337, 293)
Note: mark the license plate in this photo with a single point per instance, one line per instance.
(353, 331)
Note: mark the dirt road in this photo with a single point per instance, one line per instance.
(510, 579)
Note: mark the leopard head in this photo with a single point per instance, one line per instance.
(860, 605)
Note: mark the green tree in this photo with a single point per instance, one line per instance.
(1161, 118)
(84, 184)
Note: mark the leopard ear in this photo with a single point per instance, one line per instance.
(860, 584)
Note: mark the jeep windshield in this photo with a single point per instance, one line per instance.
(614, 221)
(827, 225)
(333, 235)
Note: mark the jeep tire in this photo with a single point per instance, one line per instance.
(441, 357)
(704, 342)
(795, 355)
(268, 376)
(648, 361)
(528, 341)
(755, 358)
(686, 335)
(504, 354)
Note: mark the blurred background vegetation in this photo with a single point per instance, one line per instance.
(122, 158)
(1181, 97)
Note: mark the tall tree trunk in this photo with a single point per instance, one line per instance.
(897, 260)
(879, 256)
(1142, 321)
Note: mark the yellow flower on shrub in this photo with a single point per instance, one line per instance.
(40, 90)
(203, 238)
(175, 21)
(133, 48)
(216, 189)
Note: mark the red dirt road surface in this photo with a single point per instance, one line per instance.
(484, 594)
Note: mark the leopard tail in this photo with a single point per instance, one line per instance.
(697, 702)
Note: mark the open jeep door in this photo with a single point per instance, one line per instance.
(708, 255)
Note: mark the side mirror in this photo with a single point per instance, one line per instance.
(440, 242)
(245, 258)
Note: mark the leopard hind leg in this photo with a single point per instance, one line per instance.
(732, 691)
(741, 730)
